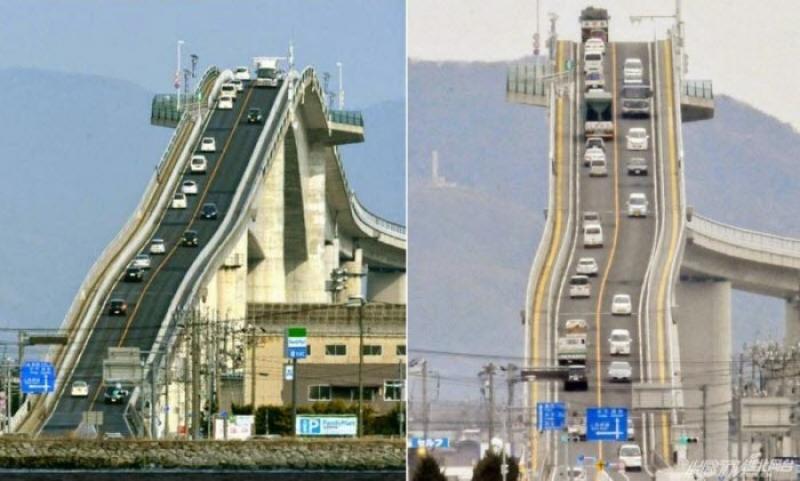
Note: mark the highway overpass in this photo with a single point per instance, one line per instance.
(288, 222)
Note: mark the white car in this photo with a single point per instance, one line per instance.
(621, 305)
(592, 61)
(238, 84)
(208, 144)
(630, 455)
(637, 205)
(141, 261)
(632, 71)
(228, 90)
(242, 73)
(595, 45)
(591, 154)
(619, 343)
(79, 389)
(157, 246)
(597, 168)
(637, 139)
(595, 142)
(573, 473)
(587, 266)
(620, 371)
(198, 164)
(179, 201)
(591, 217)
(579, 286)
(189, 187)
(593, 235)
(225, 103)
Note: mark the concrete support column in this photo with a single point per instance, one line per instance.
(704, 332)
(792, 321)
(231, 283)
(355, 281)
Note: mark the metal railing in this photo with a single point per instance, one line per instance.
(698, 88)
(528, 79)
(372, 219)
(745, 238)
(350, 117)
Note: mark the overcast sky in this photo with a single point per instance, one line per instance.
(749, 48)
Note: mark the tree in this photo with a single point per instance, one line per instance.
(428, 470)
(488, 469)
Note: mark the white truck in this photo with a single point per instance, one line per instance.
(268, 72)
(572, 349)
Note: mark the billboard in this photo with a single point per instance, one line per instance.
(313, 425)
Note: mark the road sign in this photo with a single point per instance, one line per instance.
(296, 342)
(309, 425)
(38, 377)
(417, 442)
(288, 372)
(607, 424)
(550, 416)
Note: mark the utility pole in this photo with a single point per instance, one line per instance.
(425, 406)
(704, 388)
(401, 412)
(210, 348)
(739, 414)
(178, 76)
(361, 370)
(489, 371)
(195, 377)
(511, 380)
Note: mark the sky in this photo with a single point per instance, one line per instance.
(747, 47)
(136, 40)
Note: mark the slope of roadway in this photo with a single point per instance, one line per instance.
(149, 300)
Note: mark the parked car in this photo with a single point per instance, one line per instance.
(208, 144)
(79, 389)
(117, 307)
(198, 164)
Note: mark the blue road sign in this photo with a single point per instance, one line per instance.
(417, 442)
(551, 416)
(606, 424)
(37, 377)
(296, 342)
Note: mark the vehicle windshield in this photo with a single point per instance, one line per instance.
(598, 163)
(586, 262)
(619, 337)
(637, 201)
(637, 134)
(630, 451)
(592, 230)
(593, 57)
(579, 281)
(621, 299)
(266, 72)
(634, 93)
(633, 63)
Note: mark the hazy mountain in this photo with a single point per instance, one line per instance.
(472, 245)
(78, 151)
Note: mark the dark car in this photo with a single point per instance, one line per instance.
(254, 116)
(115, 395)
(209, 211)
(637, 166)
(117, 307)
(576, 379)
(190, 239)
(134, 274)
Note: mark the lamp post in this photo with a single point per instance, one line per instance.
(358, 302)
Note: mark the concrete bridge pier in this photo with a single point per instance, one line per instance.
(704, 325)
(792, 336)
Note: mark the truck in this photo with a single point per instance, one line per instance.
(268, 72)
(636, 100)
(572, 349)
(599, 118)
(594, 24)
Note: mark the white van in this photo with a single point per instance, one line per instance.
(592, 235)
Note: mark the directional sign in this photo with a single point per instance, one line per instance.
(296, 342)
(551, 416)
(607, 424)
(38, 377)
(417, 442)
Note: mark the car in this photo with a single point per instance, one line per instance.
(115, 395)
(632, 71)
(597, 168)
(595, 142)
(190, 239)
(579, 286)
(619, 342)
(637, 139)
(637, 166)
(593, 154)
(209, 211)
(179, 201)
(594, 45)
(577, 380)
(157, 246)
(79, 389)
(621, 305)
(593, 235)
(591, 217)
(189, 187)
(594, 80)
(620, 371)
(134, 274)
(117, 307)
(238, 84)
(225, 103)
(630, 455)
(254, 116)
(571, 473)
(228, 89)
(142, 261)
(198, 164)
(592, 61)
(242, 73)
(637, 205)
(587, 266)
(208, 144)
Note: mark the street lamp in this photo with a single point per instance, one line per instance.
(358, 302)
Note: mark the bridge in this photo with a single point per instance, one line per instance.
(289, 230)
(677, 267)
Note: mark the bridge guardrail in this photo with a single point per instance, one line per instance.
(698, 88)
(350, 117)
(749, 243)
(528, 79)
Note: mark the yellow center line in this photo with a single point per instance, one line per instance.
(554, 245)
(174, 248)
(598, 311)
(673, 241)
